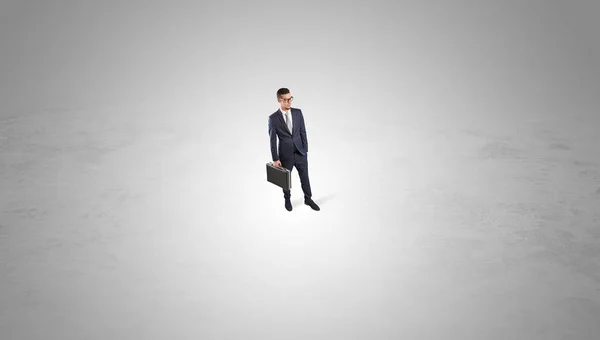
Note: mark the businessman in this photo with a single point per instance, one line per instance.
(287, 124)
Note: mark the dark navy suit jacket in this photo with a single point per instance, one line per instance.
(287, 139)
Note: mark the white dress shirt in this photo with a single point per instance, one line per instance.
(283, 113)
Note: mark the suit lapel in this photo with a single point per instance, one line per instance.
(294, 121)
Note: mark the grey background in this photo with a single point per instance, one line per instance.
(453, 151)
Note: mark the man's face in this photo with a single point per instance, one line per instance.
(286, 101)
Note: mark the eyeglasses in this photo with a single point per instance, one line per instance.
(286, 100)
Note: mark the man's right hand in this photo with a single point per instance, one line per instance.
(277, 163)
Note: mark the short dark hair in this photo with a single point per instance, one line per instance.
(281, 92)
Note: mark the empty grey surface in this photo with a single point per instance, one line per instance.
(453, 151)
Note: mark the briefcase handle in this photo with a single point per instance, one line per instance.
(280, 167)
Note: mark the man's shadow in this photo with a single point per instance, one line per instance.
(320, 200)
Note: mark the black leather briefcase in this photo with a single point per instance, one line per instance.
(279, 176)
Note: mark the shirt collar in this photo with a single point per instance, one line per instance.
(280, 110)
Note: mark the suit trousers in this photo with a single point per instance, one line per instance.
(300, 161)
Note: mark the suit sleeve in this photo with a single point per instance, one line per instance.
(273, 140)
(303, 133)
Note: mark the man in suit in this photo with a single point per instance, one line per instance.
(287, 124)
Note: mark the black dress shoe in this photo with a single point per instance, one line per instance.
(312, 204)
(288, 205)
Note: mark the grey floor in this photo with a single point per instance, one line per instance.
(453, 149)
